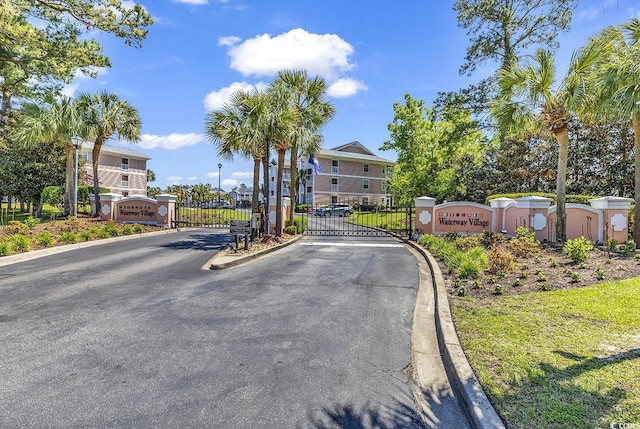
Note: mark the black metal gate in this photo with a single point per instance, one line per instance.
(348, 218)
(211, 213)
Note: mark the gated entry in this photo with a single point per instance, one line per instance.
(207, 213)
(354, 219)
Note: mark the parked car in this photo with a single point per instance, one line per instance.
(334, 210)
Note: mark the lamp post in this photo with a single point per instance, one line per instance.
(219, 173)
(77, 142)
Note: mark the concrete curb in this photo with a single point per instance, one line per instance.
(463, 381)
(27, 256)
(222, 260)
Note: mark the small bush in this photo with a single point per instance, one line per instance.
(126, 230)
(291, 229)
(517, 283)
(499, 260)
(20, 243)
(498, 290)
(467, 242)
(490, 239)
(16, 227)
(69, 237)
(299, 223)
(524, 245)
(542, 277)
(86, 236)
(544, 287)
(137, 228)
(575, 277)
(111, 229)
(475, 284)
(31, 221)
(44, 239)
(524, 275)
(5, 248)
(450, 236)
(600, 274)
(577, 250)
(553, 263)
(462, 291)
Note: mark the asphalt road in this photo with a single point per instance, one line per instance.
(136, 334)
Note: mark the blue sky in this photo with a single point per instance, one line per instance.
(370, 52)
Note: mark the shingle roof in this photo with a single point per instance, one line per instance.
(330, 153)
(114, 150)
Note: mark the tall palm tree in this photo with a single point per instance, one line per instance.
(312, 112)
(55, 120)
(102, 115)
(236, 128)
(533, 101)
(151, 175)
(618, 88)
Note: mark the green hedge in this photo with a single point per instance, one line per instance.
(299, 223)
(574, 199)
(52, 195)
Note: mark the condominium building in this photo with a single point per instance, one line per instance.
(350, 172)
(122, 170)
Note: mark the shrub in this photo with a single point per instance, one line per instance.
(524, 275)
(5, 249)
(499, 260)
(111, 229)
(577, 250)
(575, 277)
(553, 263)
(69, 237)
(517, 283)
(545, 287)
(299, 223)
(600, 274)
(137, 228)
(467, 242)
(16, 227)
(524, 244)
(542, 277)
(20, 243)
(31, 221)
(490, 239)
(86, 236)
(462, 291)
(498, 290)
(291, 229)
(475, 284)
(44, 239)
(303, 208)
(126, 230)
(450, 236)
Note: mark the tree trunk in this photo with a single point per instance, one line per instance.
(255, 206)
(292, 184)
(281, 154)
(562, 137)
(96, 184)
(636, 209)
(267, 191)
(68, 186)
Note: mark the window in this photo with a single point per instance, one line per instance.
(334, 184)
(334, 199)
(309, 189)
(125, 194)
(384, 186)
(309, 171)
(125, 163)
(365, 184)
(365, 167)
(365, 200)
(125, 181)
(334, 166)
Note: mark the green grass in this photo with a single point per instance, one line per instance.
(396, 219)
(562, 359)
(7, 215)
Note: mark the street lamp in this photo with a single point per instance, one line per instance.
(77, 142)
(219, 173)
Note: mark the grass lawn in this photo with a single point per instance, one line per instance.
(382, 219)
(562, 359)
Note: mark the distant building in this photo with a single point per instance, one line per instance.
(350, 172)
(122, 170)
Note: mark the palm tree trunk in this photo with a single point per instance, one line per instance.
(636, 210)
(294, 174)
(96, 184)
(68, 187)
(256, 185)
(562, 137)
(267, 191)
(281, 154)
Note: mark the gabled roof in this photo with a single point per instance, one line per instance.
(336, 154)
(353, 145)
(114, 150)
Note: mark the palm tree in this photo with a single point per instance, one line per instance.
(56, 120)
(312, 112)
(301, 179)
(151, 175)
(533, 101)
(235, 128)
(103, 115)
(618, 88)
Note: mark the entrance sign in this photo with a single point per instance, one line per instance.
(240, 227)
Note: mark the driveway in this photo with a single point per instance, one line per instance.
(136, 334)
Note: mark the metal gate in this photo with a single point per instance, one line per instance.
(211, 213)
(348, 218)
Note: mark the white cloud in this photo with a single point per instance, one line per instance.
(229, 183)
(242, 175)
(170, 142)
(326, 55)
(215, 99)
(192, 178)
(345, 87)
(228, 40)
(174, 180)
(212, 174)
